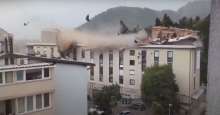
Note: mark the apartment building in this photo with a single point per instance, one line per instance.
(125, 66)
(34, 85)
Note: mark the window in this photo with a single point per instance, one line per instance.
(20, 75)
(110, 70)
(143, 59)
(46, 72)
(132, 62)
(46, 100)
(132, 52)
(101, 70)
(33, 74)
(156, 57)
(111, 78)
(21, 105)
(9, 77)
(92, 73)
(39, 101)
(194, 83)
(170, 57)
(91, 54)
(100, 59)
(52, 52)
(132, 82)
(121, 58)
(83, 54)
(121, 79)
(110, 58)
(100, 77)
(30, 103)
(1, 78)
(131, 72)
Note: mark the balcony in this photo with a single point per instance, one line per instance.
(22, 80)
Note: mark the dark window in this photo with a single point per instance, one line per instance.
(194, 83)
(92, 73)
(121, 79)
(132, 52)
(46, 72)
(110, 78)
(46, 100)
(132, 62)
(101, 59)
(91, 54)
(132, 82)
(156, 57)
(110, 70)
(170, 57)
(38, 101)
(9, 77)
(110, 58)
(143, 59)
(1, 78)
(100, 77)
(83, 54)
(33, 74)
(121, 58)
(52, 52)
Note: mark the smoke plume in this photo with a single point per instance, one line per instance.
(73, 38)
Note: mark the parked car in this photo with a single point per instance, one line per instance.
(124, 113)
(138, 106)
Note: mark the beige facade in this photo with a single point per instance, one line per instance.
(28, 89)
(185, 63)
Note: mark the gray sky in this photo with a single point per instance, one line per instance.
(63, 13)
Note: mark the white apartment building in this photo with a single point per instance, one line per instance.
(31, 85)
(125, 66)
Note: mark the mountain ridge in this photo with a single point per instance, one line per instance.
(107, 22)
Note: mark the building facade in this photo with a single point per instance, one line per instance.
(125, 66)
(36, 85)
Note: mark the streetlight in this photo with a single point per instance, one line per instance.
(170, 105)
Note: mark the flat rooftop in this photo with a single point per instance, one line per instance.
(48, 60)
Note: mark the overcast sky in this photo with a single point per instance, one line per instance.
(63, 13)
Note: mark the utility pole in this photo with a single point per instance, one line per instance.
(213, 96)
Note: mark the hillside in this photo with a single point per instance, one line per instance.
(108, 22)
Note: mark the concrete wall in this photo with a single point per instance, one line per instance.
(213, 106)
(24, 89)
(71, 89)
(47, 50)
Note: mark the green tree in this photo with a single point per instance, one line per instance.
(159, 89)
(107, 98)
(157, 22)
(167, 21)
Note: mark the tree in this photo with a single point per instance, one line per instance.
(167, 21)
(107, 98)
(159, 89)
(157, 22)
